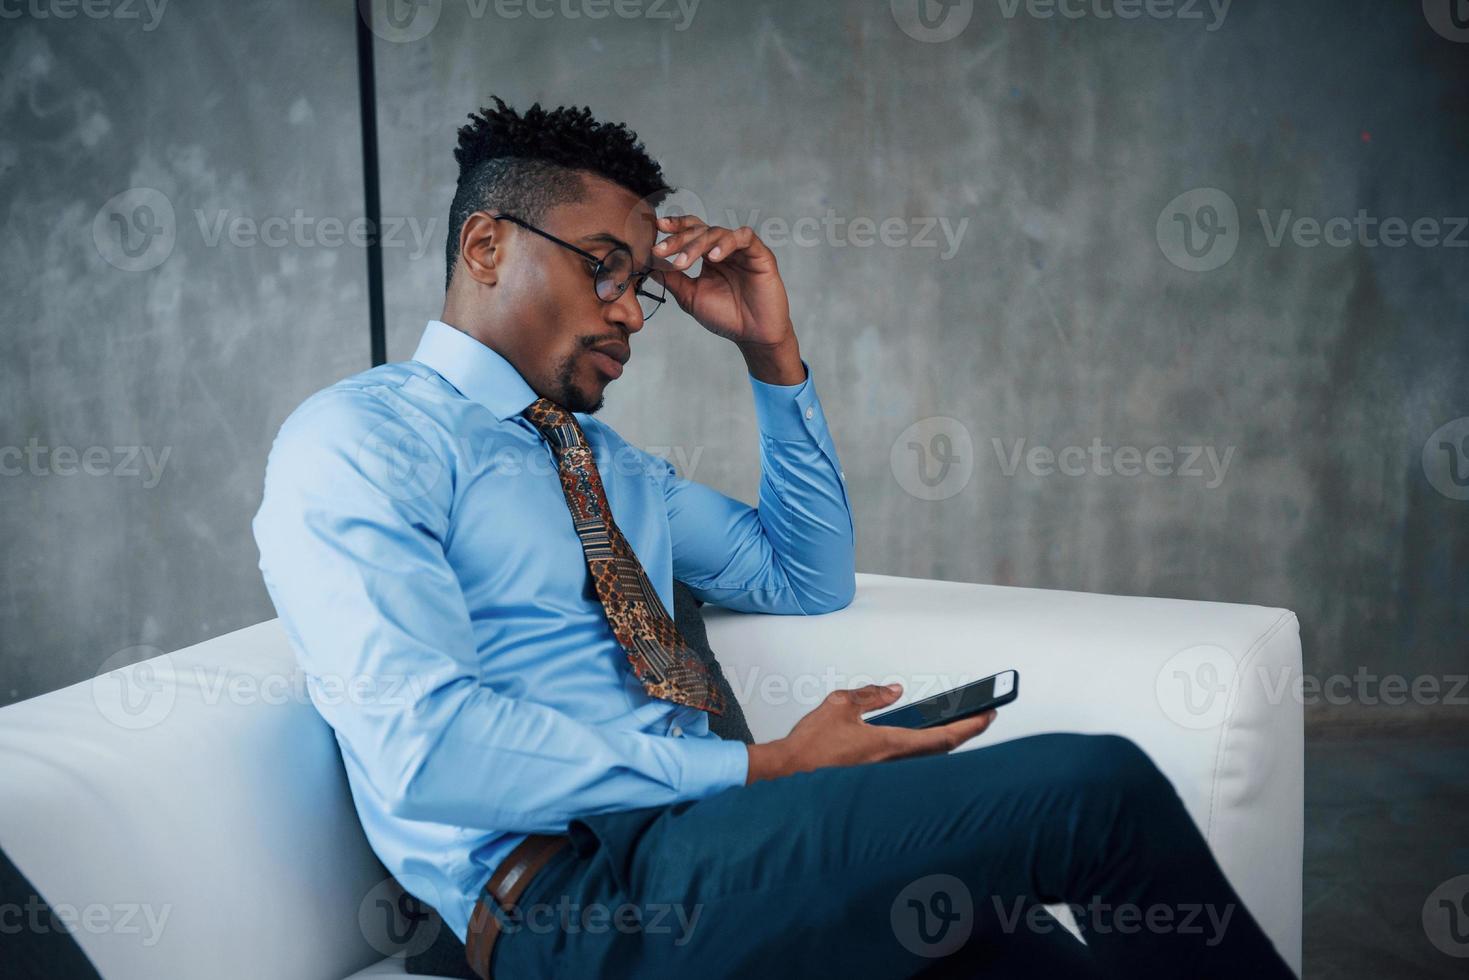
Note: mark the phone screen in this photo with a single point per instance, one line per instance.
(951, 705)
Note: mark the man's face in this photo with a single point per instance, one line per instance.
(566, 342)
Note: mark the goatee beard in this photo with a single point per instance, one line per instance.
(568, 395)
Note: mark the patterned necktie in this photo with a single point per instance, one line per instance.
(660, 657)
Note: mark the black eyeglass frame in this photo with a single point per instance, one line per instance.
(601, 261)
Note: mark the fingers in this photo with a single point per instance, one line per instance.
(691, 239)
(943, 738)
(730, 242)
(679, 228)
(678, 222)
(867, 698)
(680, 249)
(948, 737)
(682, 229)
(678, 284)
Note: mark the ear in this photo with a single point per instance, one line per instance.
(479, 244)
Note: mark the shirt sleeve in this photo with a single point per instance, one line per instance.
(795, 553)
(351, 531)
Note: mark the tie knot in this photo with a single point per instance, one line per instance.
(555, 423)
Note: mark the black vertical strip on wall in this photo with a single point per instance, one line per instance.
(372, 204)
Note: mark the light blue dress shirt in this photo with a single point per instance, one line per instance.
(417, 545)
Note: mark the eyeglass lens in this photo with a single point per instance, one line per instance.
(612, 282)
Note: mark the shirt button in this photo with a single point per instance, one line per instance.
(810, 411)
(677, 732)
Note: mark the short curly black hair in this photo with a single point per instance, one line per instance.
(528, 164)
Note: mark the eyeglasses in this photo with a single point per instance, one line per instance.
(612, 273)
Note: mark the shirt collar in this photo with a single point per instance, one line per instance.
(479, 372)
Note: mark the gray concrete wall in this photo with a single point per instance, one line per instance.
(172, 345)
(1314, 374)
(1060, 306)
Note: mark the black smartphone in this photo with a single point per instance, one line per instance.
(955, 703)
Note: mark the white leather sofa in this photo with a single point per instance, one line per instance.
(192, 814)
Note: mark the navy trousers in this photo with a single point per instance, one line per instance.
(932, 866)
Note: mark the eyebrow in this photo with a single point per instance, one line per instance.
(607, 238)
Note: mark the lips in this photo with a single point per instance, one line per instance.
(618, 352)
(610, 358)
(607, 364)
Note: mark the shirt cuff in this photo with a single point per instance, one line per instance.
(711, 764)
(789, 413)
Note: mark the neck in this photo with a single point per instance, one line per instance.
(460, 316)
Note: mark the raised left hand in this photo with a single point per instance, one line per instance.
(738, 294)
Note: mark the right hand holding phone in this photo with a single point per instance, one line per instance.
(834, 734)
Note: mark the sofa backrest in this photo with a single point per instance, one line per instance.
(190, 817)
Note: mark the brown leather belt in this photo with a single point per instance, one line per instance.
(505, 886)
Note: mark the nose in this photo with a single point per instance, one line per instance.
(625, 311)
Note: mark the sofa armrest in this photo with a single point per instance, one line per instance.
(1206, 688)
